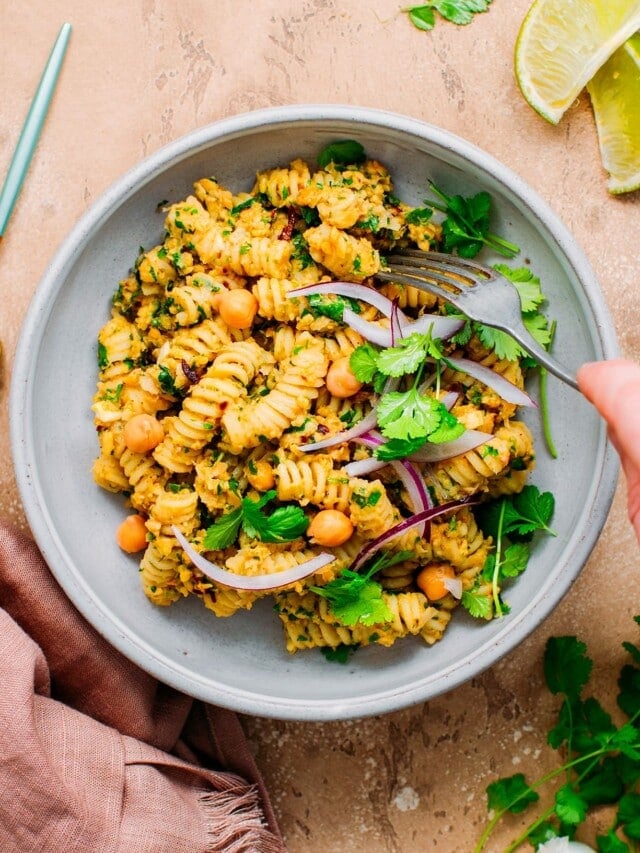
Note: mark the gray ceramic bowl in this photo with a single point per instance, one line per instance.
(241, 662)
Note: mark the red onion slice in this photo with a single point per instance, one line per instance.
(454, 586)
(364, 466)
(252, 583)
(372, 332)
(447, 450)
(351, 291)
(503, 387)
(367, 423)
(375, 545)
(416, 489)
(440, 326)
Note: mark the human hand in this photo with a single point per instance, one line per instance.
(614, 389)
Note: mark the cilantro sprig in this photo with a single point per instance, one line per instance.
(282, 525)
(460, 12)
(511, 521)
(601, 763)
(355, 598)
(409, 418)
(465, 228)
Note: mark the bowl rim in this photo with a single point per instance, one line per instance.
(52, 549)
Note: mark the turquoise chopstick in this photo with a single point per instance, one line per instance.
(31, 130)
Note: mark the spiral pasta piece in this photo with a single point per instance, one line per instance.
(267, 417)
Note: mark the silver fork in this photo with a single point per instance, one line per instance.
(481, 293)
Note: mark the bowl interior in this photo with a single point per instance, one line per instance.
(241, 662)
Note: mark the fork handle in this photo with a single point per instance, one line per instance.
(542, 356)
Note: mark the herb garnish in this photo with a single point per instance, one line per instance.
(332, 306)
(602, 760)
(282, 525)
(466, 226)
(459, 12)
(407, 418)
(354, 598)
(343, 152)
(515, 517)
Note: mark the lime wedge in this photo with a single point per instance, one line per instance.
(615, 96)
(561, 45)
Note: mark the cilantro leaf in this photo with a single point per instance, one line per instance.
(343, 152)
(399, 448)
(570, 807)
(566, 666)
(522, 514)
(331, 306)
(418, 216)
(340, 654)
(466, 226)
(610, 843)
(476, 604)
(511, 794)
(363, 362)
(282, 525)
(514, 560)
(629, 815)
(501, 342)
(224, 531)
(526, 283)
(448, 429)
(355, 598)
(406, 356)
(422, 17)
(408, 414)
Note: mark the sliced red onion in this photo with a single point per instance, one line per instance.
(367, 423)
(252, 583)
(449, 400)
(396, 324)
(447, 450)
(503, 387)
(375, 545)
(370, 331)
(416, 488)
(454, 586)
(351, 291)
(364, 466)
(441, 326)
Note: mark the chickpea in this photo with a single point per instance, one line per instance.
(142, 433)
(238, 308)
(340, 379)
(260, 475)
(330, 528)
(431, 581)
(131, 535)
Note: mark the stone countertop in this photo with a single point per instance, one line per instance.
(141, 73)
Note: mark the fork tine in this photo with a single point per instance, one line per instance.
(464, 267)
(437, 283)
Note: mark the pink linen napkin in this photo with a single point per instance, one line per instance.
(96, 755)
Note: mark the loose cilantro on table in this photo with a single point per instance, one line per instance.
(466, 226)
(355, 598)
(282, 525)
(516, 517)
(459, 12)
(602, 760)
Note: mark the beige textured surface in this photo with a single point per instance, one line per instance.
(143, 72)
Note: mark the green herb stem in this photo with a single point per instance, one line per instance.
(544, 401)
(495, 592)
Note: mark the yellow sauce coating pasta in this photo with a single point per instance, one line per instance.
(237, 403)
